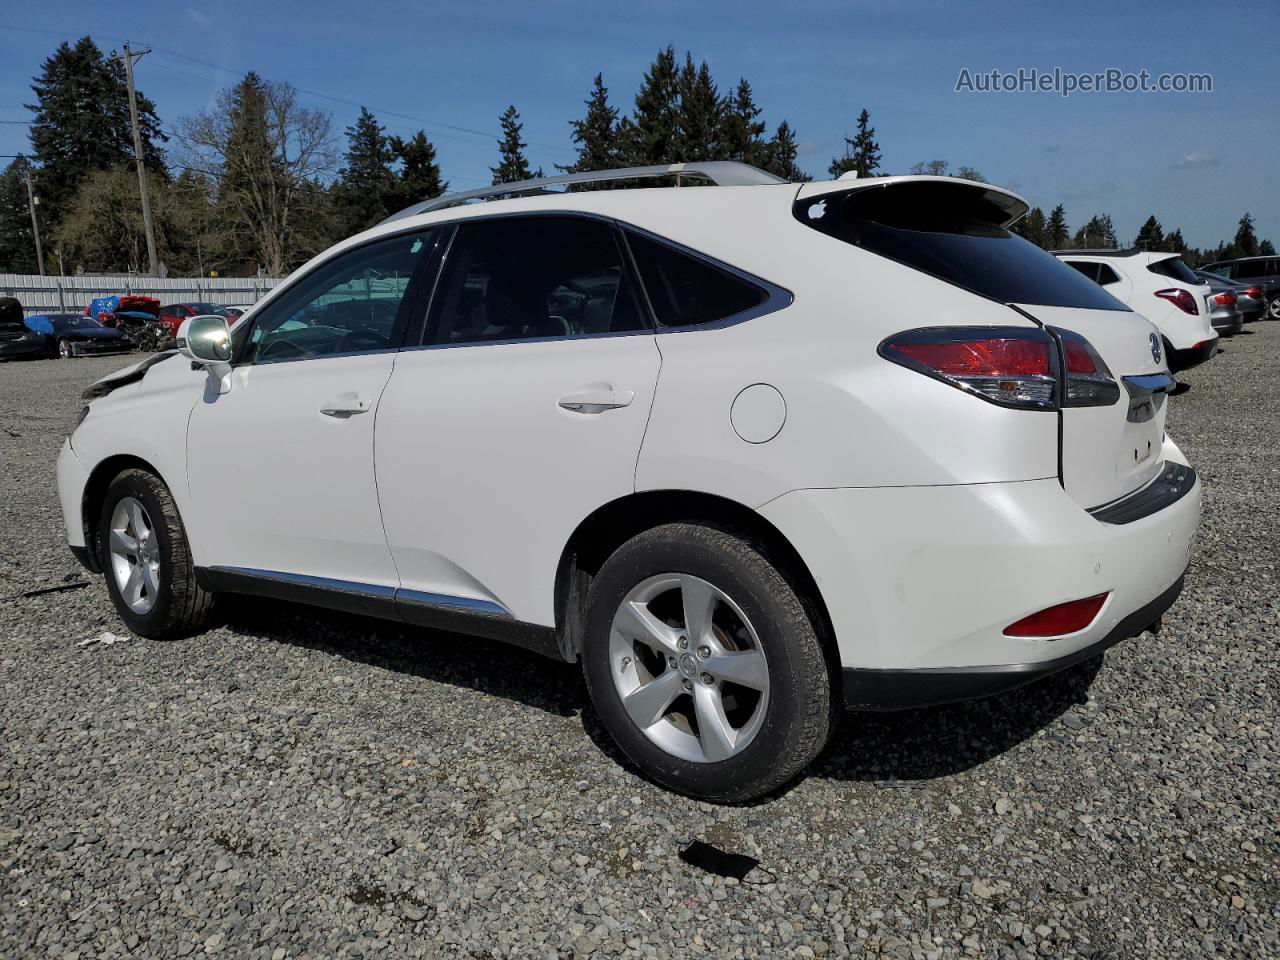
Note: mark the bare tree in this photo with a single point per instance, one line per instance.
(268, 155)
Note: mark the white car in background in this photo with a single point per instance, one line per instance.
(1164, 290)
(690, 438)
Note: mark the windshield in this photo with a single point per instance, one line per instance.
(953, 232)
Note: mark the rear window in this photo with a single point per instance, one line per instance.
(1175, 269)
(686, 290)
(952, 232)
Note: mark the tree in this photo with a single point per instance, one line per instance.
(419, 175)
(102, 232)
(780, 155)
(267, 154)
(698, 119)
(512, 165)
(596, 134)
(1099, 232)
(1265, 249)
(17, 243)
(1056, 231)
(861, 153)
(1032, 227)
(930, 168)
(366, 188)
(82, 123)
(650, 134)
(742, 130)
(1246, 240)
(968, 173)
(1150, 235)
(1174, 243)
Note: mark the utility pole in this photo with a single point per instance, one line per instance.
(35, 224)
(128, 58)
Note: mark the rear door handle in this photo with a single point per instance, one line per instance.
(597, 401)
(345, 405)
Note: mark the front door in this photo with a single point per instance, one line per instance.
(521, 413)
(281, 465)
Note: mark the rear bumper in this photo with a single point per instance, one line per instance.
(928, 578)
(1228, 325)
(929, 686)
(1192, 356)
(23, 348)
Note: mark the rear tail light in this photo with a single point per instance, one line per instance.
(1057, 621)
(1089, 382)
(1009, 366)
(1182, 299)
(1255, 292)
(1226, 299)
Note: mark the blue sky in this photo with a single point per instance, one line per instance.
(1197, 161)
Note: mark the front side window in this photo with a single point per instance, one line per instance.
(351, 304)
(533, 278)
(685, 290)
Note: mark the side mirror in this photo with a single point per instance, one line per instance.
(206, 341)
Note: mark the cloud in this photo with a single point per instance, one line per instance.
(1093, 190)
(198, 16)
(1194, 161)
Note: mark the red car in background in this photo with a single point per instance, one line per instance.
(172, 314)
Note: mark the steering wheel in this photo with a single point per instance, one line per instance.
(361, 340)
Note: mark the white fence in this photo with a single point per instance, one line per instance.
(72, 294)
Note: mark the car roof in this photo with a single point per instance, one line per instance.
(1153, 256)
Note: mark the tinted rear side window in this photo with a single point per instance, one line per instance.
(1106, 275)
(686, 290)
(1175, 269)
(953, 232)
(1084, 267)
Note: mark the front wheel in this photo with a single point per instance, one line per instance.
(64, 349)
(146, 559)
(703, 664)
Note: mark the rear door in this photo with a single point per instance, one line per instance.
(521, 413)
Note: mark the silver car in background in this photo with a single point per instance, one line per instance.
(1249, 299)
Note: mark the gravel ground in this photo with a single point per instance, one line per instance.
(299, 784)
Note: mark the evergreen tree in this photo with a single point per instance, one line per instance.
(1246, 240)
(1056, 231)
(1265, 249)
(650, 134)
(1032, 227)
(742, 130)
(698, 118)
(17, 243)
(1150, 236)
(861, 153)
(366, 189)
(780, 155)
(596, 134)
(82, 123)
(1109, 239)
(512, 165)
(419, 176)
(1093, 235)
(1174, 243)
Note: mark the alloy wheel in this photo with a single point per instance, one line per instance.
(135, 555)
(689, 668)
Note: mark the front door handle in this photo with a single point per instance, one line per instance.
(345, 405)
(597, 401)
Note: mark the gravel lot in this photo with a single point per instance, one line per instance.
(300, 784)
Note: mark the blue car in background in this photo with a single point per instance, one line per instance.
(69, 335)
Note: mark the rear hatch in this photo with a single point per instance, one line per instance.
(958, 231)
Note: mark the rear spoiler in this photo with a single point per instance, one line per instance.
(1006, 207)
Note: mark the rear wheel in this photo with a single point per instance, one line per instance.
(1273, 308)
(146, 560)
(704, 665)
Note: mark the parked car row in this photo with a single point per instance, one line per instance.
(1190, 308)
(112, 324)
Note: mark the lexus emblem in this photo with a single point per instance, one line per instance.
(1155, 348)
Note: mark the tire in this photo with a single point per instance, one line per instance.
(169, 602)
(778, 731)
(64, 349)
(1273, 308)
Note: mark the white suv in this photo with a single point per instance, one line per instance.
(1164, 290)
(691, 438)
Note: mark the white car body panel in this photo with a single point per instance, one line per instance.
(483, 476)
(277, 485)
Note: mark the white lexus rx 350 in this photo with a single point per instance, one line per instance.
(690, 438)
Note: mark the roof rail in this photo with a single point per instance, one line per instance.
(722, 173)
(1106, 251)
